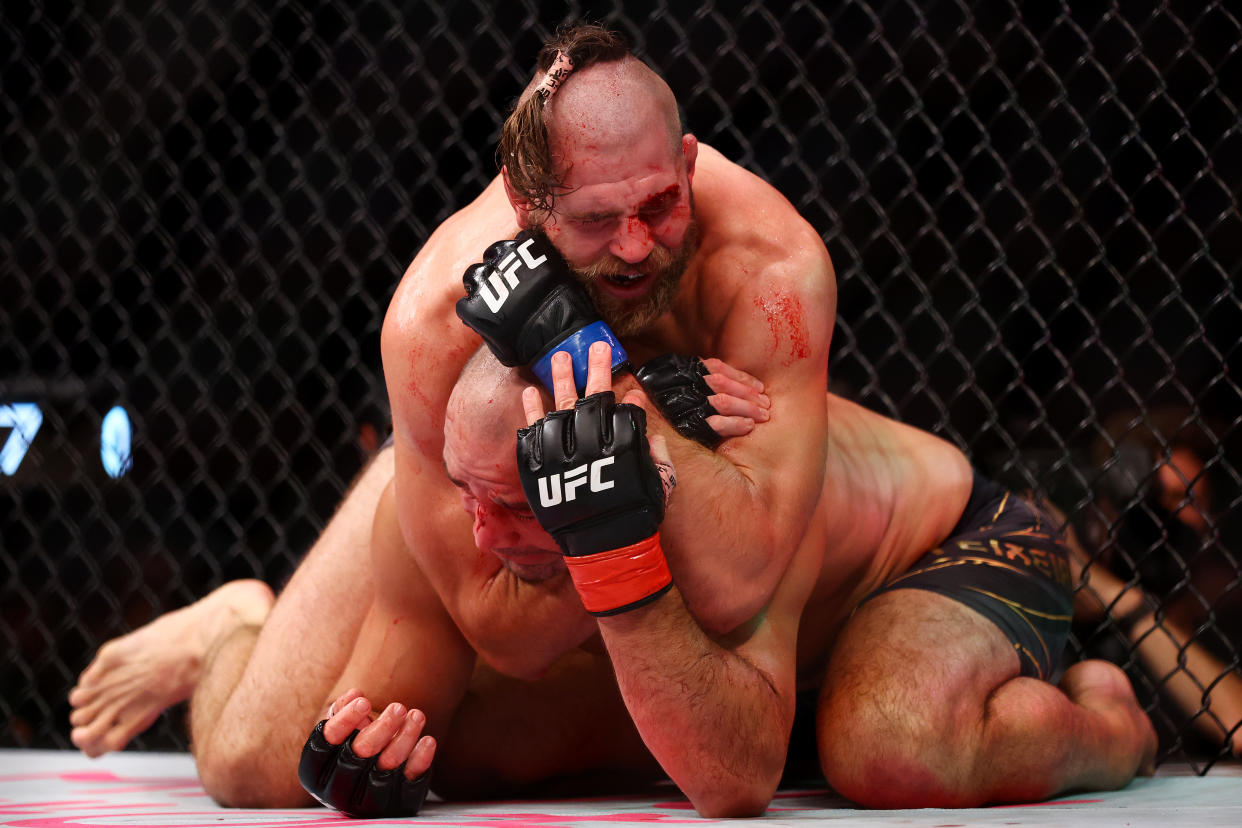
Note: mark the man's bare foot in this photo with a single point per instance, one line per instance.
(1103, 687)
(134, 678)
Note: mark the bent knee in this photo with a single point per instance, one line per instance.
(892, 780)
(879, 759)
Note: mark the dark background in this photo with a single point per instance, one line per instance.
(205, 207)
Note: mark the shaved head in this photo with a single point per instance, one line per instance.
(608, 96)
(485, 407)
(603, 109)
(480, 458)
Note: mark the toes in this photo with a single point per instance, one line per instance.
(89, 677)
(86, 740)
(80, 696)
(115, 693)
(90, 737)
(83, 715)
(113, 728)
(135, 719)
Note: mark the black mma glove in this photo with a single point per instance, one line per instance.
(590, 480)
(340, 779)
(676, 384)
(526, 304)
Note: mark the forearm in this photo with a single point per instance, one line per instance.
(737, 516)
(715, 721)
(729, 553)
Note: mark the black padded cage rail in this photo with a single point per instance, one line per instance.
(206, 206)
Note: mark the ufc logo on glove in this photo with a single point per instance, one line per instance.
(526, 304)
(495, 291)
(550, 486)
(611, 540)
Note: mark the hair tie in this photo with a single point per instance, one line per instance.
(556, 75)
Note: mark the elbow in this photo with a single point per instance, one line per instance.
(732, 796)
(734, 803)
(240, 776)
(719, 617)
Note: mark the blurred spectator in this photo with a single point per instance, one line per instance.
(1158, 593)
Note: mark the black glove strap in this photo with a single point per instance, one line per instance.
(676, 384)
(341, 779)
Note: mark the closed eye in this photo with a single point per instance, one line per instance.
(595, 223)
(520, 511)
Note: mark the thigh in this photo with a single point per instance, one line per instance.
(308, 636)
(1007, 562)
(910, 655)
(992, 603)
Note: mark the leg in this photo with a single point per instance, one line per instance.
(261, 690)
(924, 705)
(134, 678)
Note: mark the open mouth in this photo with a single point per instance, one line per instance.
(625, 284)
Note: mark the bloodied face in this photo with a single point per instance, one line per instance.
(626, 224)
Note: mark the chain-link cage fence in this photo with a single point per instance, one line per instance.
(206, 206)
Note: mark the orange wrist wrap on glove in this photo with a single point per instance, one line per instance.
(620, 580)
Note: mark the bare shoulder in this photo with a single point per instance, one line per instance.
(423, 344)
(766, 267)
(433, 279)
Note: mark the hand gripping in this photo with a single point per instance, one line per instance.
(676, 385)
(589, 478)
(341, 779)
(526, 304)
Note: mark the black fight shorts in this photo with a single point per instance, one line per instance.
(1007, 561)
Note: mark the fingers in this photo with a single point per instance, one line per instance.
(341, 701)
(638, 397)
(378, 734)
(723, 384)
(659, 449)
(396, 735)
(532, 404)
(564, 389)
(718, 368)
(731, 406)
(564, 392)
(420, 758)
(599, 368)
(729, 427)
(347, 717)
(739, 400)
(407, 746)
